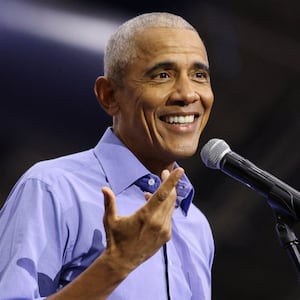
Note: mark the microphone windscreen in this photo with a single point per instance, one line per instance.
(213, 152)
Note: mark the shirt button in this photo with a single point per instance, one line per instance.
(151, 181)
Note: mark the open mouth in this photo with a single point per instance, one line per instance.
(179, 119)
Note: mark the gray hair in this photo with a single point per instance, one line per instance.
(120, 48)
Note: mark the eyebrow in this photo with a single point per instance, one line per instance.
(167, 65)
(200, 65)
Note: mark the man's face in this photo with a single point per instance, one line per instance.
(166, 97)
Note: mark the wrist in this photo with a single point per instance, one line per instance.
(116, 264)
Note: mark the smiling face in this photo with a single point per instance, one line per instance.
(165, 99)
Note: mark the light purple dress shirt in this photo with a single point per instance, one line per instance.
(51, 229)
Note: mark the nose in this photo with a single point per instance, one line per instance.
(183, 92)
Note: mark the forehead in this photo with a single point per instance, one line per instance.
(161, 43)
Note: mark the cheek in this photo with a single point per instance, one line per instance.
(152, 98)
(148, 106)
(129, 104)
(207, 98)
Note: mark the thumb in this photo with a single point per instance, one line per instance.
(109, 203)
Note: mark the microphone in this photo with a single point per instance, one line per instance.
(283, 199)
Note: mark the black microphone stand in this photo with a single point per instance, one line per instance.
(288, 239)
(282, 203)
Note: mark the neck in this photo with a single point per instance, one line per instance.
(157, 167)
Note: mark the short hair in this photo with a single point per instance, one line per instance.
(120, 48)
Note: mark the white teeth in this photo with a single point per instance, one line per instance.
(180, 119)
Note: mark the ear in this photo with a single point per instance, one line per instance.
(104, 90)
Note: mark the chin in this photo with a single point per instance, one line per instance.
(184, 153)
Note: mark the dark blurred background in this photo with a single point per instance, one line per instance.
(50, 54)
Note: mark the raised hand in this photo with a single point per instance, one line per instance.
(133, 239)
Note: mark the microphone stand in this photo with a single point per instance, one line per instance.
(285, 209)
(288, 239)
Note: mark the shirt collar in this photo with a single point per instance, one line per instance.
(116, 159)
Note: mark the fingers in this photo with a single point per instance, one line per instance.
(167, 188)
(170, 180)
(161, 205)
(165, 174)
(148, 196)
(148, 228)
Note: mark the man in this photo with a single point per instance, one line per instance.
(141, 237)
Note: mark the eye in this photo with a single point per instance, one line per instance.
(161, 75)
(201, 76)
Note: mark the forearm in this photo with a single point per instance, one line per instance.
(97, 282)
